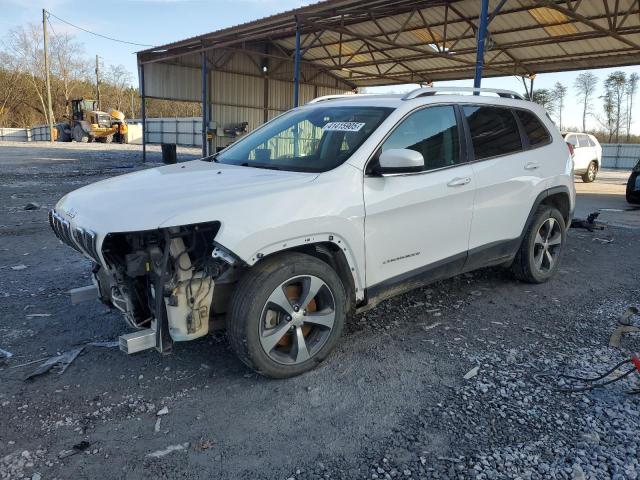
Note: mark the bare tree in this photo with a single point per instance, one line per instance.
(69, 67)
(25, 45)
(585, 84)
(8, 83)
(118, 80)
(630, 91)
(559, 94)
(615, 86)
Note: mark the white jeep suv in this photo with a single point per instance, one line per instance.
(586, 152)
(325, 210)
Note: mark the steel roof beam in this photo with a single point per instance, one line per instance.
(586, 21)
(533, 42)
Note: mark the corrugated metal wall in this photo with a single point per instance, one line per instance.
(238, 88)
(621, 155)
(15, 134)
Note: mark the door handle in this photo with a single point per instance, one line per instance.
(531, 166)
(459, 181)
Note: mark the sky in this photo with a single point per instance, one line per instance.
(157, 22)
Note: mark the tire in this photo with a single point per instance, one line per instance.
(108, 139)
(632, 195)
(63, 136)
(539, 255)
(79, 135)
(591, 173)
(253, 314)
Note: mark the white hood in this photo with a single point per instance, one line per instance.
(180, 194)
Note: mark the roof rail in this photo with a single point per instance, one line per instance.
(429, 91)
(328, 97)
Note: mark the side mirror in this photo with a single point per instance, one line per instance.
(399, 160)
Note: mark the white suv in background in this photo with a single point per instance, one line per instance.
(326, 209)
(587, 154)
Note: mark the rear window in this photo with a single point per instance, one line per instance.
(533, 128)
(585, 141)
(494, 131)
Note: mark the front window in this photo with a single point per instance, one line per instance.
(307, 140)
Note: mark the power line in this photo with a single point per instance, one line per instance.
(98, 34)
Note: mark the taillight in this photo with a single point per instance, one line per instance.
(570, 148)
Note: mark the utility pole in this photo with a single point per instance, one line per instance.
(46, 67)
(133, 112)
(98, 81)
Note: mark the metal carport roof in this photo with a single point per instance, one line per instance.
(378, 42)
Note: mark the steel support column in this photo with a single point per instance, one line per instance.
(296, 67)
(143, 112)
(482, 33)
(205, 106)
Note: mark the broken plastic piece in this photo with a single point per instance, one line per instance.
(63, 361)
(168, 450)
(5, 354)
(471, 373)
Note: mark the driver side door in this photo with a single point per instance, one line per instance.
(417, 224)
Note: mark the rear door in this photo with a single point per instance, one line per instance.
(505, 181)
(590, 148)
(417, 225)
(583, 153)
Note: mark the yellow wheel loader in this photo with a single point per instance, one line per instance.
(88, 124)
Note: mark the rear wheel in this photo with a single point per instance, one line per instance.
(590, 175)
(539, 255)
(286, 315)
(108, 139)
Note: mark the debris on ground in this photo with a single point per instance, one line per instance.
(589, 224)
(32, 206)
(625, 318)
(163, 411)
(168, 450)
(77, 448)
(603, 241)
(471, 373)
(204, 445)
(62, 361)
(624, 326)
(156, 427)
(426, 328)
(105, 344)
(37, 315)
(22, 266)
(5, 355)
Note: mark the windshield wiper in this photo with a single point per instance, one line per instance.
(260, 165)
(211, 158)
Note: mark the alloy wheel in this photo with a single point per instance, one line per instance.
(546, 248)
(297, 319)
(591, 172)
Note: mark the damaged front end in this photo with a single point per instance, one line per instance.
(163, 281)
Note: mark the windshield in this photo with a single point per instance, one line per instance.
(307, 140)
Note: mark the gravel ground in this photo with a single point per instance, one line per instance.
(391, 402)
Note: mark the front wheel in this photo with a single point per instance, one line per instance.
(538, 258)
(287, 314)
(590, 175)
(79, 135)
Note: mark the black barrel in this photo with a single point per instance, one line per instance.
(169, 154)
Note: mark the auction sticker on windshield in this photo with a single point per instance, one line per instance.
(343, 127)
